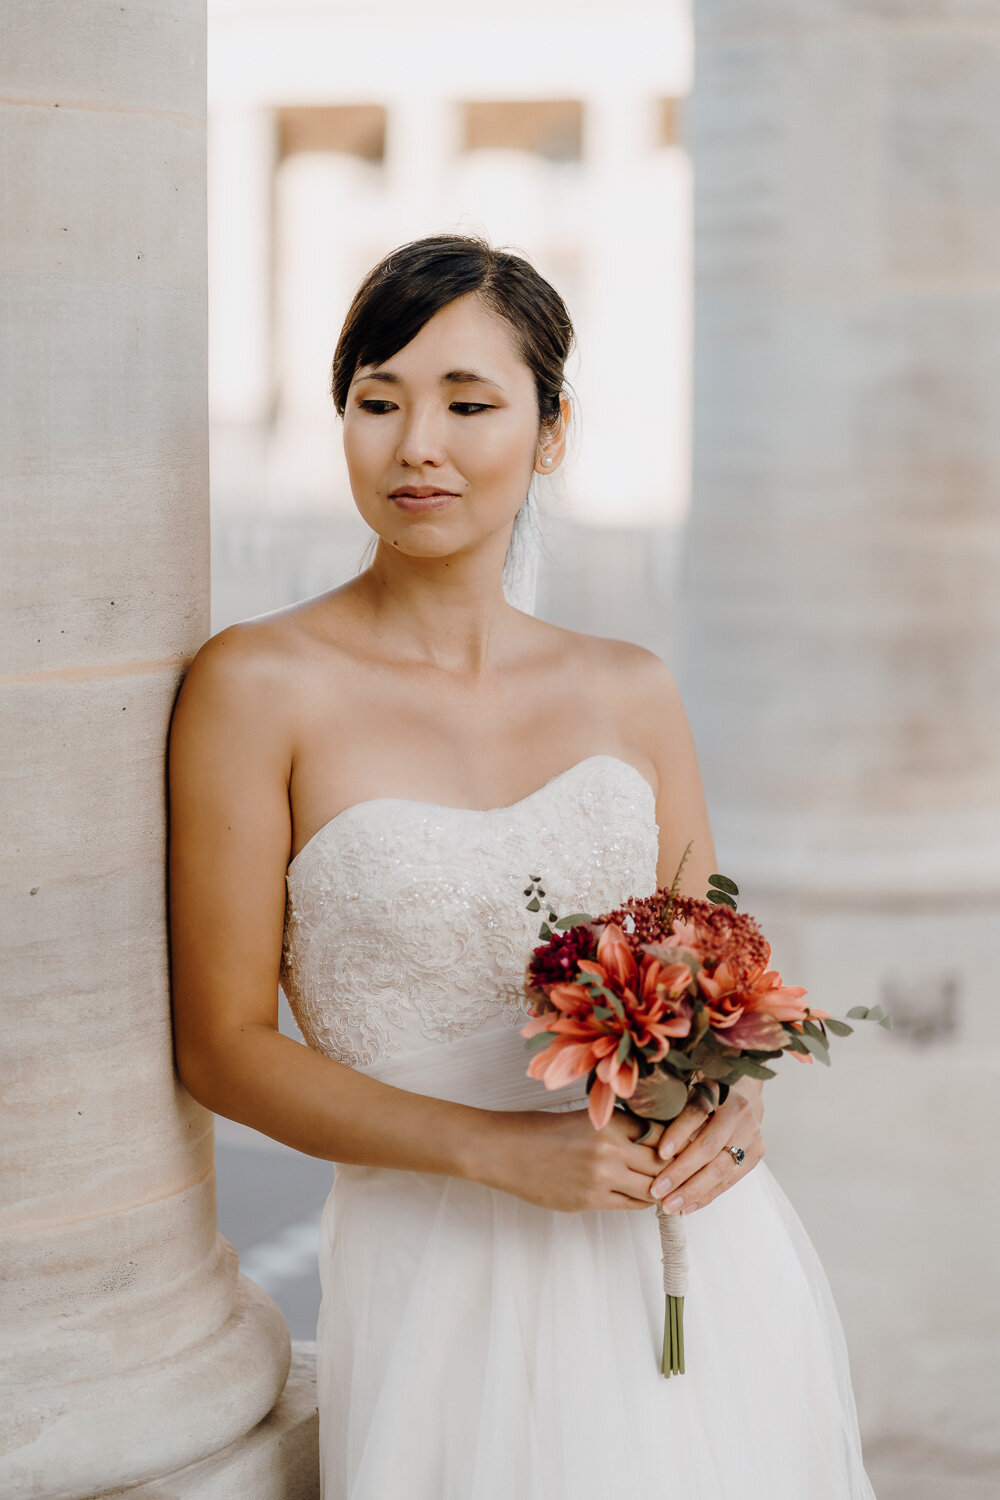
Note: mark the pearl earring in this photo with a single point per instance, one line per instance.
(546, 459)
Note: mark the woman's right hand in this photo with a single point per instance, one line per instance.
(559, 1161)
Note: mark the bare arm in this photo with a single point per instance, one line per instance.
(230, 839)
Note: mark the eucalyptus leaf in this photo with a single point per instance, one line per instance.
(578, 919)
(839, 1028)
(756, 1069)
(858, 1012)
(717, 1067)
(545, 931)
(723, 883)
(535, 904)
(811, 1029)
(886, 1021)
(876, 1013)
(699, 1024)
(602, 1012)
(658, 1097)
(539, 1040)
(817, 1048)
(624, 1047)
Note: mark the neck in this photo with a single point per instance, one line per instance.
(448, 612)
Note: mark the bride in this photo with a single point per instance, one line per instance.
(361, 788)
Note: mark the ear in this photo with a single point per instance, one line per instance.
(553, 444)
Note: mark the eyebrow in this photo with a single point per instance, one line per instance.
(450, 377)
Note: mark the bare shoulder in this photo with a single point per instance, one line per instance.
(251, 670)
(635, 679)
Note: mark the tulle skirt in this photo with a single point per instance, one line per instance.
(472, 1346)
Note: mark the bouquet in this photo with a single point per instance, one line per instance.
(665, 999)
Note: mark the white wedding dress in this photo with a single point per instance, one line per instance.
(472, 1346)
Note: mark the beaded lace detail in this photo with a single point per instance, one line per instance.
(406, 919)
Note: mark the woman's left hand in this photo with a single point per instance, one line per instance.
(698, 1167)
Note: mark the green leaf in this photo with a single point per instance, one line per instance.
(679, 1060)
(859, 1012)
(717, 1067)
(535, 905)
(839, 1028)
(817, 1048)
(886, 1021)
(756, 1069)
(545, 932)
(602, 1012)
(578, 919)
(811, 1029)
(539, 1040)
(723, 883)
(795, 1043)
(699, 1024)
(876, 1013)
(658, 1097)
(721, 898)
(624, 1047)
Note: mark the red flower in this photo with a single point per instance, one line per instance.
(595, 1032)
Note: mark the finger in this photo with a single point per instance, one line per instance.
(648, 1131)
(681, 1132)
(755, 1152)
(718, 1132)
(712, 1179)
(677, 1134)
(634, 1184)
(642, 1159)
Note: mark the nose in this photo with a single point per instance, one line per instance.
(421, 439)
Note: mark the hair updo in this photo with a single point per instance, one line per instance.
(410, 284)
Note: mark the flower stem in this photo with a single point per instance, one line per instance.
(672, 1362)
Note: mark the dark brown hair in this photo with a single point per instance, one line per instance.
(413, 282)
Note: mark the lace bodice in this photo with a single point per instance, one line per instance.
(406, 932)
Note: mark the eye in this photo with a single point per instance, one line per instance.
(371, 403)
(471, 407)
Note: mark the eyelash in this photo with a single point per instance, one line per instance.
(373, 401)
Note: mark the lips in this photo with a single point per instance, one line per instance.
(419, 492)
(418, 498)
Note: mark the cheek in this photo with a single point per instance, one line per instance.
(362, 449)
(498, 453)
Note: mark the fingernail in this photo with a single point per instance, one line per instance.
(674, 1203)
(659, 1188)
(666, 1150)
(691, 1208)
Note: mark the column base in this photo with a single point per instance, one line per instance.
(277, 1460)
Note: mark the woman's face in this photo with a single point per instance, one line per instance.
(453, 411)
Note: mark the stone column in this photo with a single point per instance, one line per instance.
(130, 1345)
(842, 615)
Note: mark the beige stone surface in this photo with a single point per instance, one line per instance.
(278, 1459)
(131, 1346)
(841, 659)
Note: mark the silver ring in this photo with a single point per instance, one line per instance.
(737, 1153)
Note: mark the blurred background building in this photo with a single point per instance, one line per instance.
(337, 131)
